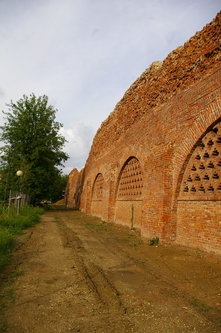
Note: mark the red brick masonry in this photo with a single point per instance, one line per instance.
(155, 162)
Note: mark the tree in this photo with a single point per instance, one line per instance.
(34, 145)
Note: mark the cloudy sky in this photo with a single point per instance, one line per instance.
(84, 54)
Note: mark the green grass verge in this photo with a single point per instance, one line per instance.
(12, 224)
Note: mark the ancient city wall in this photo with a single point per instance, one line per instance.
(159, 83)
(74, 188)
(155, 163)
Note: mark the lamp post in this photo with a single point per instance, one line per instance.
(1, 188)
(19, 174)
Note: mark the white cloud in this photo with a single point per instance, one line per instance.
(79, 138)
(85, 54)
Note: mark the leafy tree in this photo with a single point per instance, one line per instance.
(34, 145)
(58, 188)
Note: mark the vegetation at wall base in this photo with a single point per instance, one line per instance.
(11, 224)
(154, 241)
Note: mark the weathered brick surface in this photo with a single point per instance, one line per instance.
(74, 188)
(156, 127)
(203, 219)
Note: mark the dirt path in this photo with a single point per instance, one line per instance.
(82, 275)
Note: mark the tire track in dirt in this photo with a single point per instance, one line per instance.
(125, 273)
(102, 286)
(79, 278)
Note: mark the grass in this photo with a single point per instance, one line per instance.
(199, 304)
(154, 241)
(3, 326)
(6, 297)
(12, 224)
(97, 227)
(9, 295)
(133, 238)
(6, 240)
(18, 272)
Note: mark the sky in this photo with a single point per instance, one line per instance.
(85, 54)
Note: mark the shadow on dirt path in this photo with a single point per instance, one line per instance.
(79, 274)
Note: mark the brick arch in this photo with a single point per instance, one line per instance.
(129, 193)
(130, 184)
(203, 124)
(97, 190)
(202, 176)
(97, 196)
(198, 204)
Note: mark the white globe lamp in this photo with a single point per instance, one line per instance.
(19, 173)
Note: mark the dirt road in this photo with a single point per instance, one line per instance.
(76, 273)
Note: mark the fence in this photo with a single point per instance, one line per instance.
(17, 199)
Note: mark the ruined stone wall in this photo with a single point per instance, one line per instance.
(183, 67)
(74, 188)
(142, 155)
(71, 188)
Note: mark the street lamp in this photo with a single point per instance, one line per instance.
(19, 173)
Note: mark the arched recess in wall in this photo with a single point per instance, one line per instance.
(199, 200)
(204, 123)
(97, 196)
(129, 194)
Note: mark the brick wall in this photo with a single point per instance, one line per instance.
(74, 188)
(199, 224)
(142, 155)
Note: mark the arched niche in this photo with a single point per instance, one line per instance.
(129, 193)
(97, 196)
(199, 199)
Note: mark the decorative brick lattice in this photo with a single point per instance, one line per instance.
(98, 188)
(202, 177)
(131, 181)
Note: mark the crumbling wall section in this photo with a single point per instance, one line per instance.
(74, 188)
(71, 188)
(183, 67)
(158, 123)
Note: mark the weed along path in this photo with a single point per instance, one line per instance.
(75, 273)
